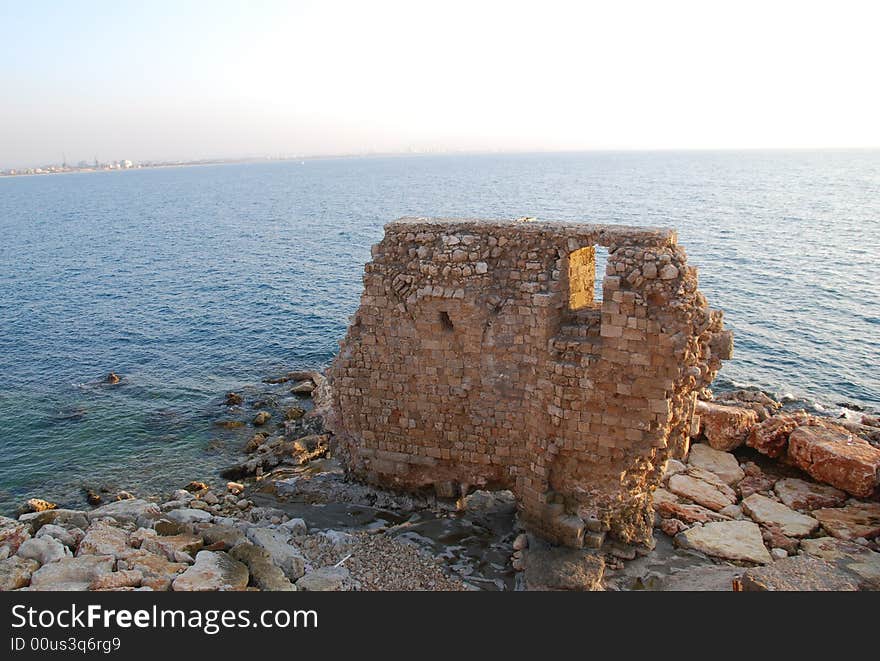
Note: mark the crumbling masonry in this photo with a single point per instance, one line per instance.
(479, 359)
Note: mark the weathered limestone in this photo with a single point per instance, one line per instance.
(733, 540)
(212, 571)
(836, 457)
(479, 359)
(725, 427)
(803, 495)
(851, 522)
(723, 464)
(800, 573)
(790, 523)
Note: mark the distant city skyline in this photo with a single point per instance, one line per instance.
(167, 81)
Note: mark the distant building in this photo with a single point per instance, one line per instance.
(126, 164)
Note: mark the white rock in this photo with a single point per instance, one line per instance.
(296, 527)
(126, 510)
(764, 510)
(189, 515)
(722, 464)
(67, 537)
(325, 579)
(277, 544)
(71, 573)
(732, 540)
(44, 550)
(778, 553)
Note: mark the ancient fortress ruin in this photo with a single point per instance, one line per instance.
(481, 358)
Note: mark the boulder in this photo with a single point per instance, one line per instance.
(261, 418)
(189, 515)
(561, 568)
(722, 464)
(276, 543)
(303, 388)
(171, 546)
(702, 491)
(126, 510)
(770, 437)
(212, 571)
(725, 427)
(661, 495)
(325, 579)
(296, 527)
(44, 550)
(798, 573)
(265, 574)
(157, 571)
(69, 537)
(855, 520)
(860, 562)
(803, 495)
(15, 572)
(222, 535)
(125, 578)
(836, 457)
(673, 467)
(731, 540)
(792, 524)
(103, 539)
(71, 574)
(13, 533)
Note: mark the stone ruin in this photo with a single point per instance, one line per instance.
(481, 358)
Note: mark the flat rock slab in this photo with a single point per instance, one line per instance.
(790, 523)
(718, 578)
(171, 546)
(836, 457)
(700, 491)
(851, 522)
(71, 573)
(732, 540)
(212, 571)
(861, 562)
(688, 512)
(803, 495)
(561, 568)
(722, 464)
(798, 573)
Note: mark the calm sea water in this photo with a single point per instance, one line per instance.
(194, 281)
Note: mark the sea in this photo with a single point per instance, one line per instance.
(189, 282)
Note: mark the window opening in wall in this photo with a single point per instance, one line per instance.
(445, 321)
(581, 277)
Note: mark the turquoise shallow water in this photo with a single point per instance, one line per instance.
(194, 281)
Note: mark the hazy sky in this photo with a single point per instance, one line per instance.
(161, 80)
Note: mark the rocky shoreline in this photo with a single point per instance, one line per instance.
(766, 498)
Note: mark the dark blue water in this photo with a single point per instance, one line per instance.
(194, 281)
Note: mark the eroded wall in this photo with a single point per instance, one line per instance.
(470, 364)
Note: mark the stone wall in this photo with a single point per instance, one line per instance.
(479, 359)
